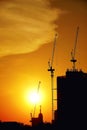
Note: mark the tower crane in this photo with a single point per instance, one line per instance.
(51, 69)
(37, 93)
(73, 60)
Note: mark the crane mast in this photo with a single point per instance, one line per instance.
(37, 93)
(50, 63)
(51, 69)
(73, 60)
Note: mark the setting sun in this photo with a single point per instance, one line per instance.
(34, 97)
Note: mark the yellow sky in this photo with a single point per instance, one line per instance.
(27, 30)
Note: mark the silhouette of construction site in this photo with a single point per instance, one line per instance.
(71, 102)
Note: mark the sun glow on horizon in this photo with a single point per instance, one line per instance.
(32, 97)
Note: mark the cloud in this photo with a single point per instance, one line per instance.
(25, 25)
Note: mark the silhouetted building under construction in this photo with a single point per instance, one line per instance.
(71, 110)
(36, 121)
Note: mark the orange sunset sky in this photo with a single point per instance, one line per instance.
(27, 31)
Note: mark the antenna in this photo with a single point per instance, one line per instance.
(73, 52)
(50, 64)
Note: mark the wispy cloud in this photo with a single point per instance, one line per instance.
(25, 25)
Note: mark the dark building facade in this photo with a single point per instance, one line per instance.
(72, 100)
